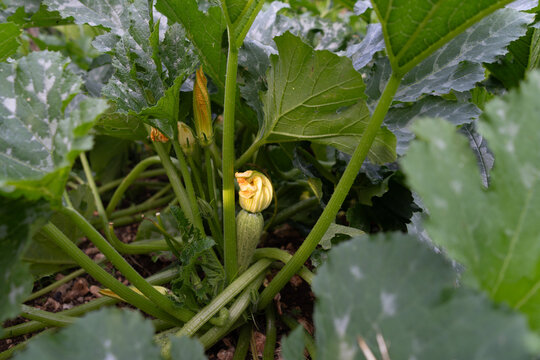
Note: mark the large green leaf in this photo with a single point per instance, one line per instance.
(104, 334)
(185, 348)
(39, 138)
(396, 288)
(9, 33)
(458, 64)
(400, 117)
(494, 232)
(317, 96)
(19, 219)
(205, 30)
(414, 29)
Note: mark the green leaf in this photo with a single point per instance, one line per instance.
(185, 348)
(105, 334)
(121, 125)
(292, 346)
(395, 288)
(318, 96)
(43, 130)
(19, 219)
(413, 30)
(9, 33)
(523, 54)
(204, 30)
(335, 230)
(493, 232)
(399, 117)
(458, 64)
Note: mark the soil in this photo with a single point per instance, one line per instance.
(296, 299)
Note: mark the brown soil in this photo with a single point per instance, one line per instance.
(295, 300)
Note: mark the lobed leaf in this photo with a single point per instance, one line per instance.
(19, 220)
(413, 30)
(395, 291)
(317, 96)
(493, 232)
(43, 130)
(104, 334)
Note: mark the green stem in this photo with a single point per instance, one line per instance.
(95, 193)
(197, 176)
(236, 310)
(186, 175)
(271, 334)
(229, 220)
(144, 175)
(216, 156)
(242, 345)
(210, 179)
(45, 317)
(33, 326)
(284, 257)
(128, 180)
(191, 327)
(149, 204)
(341, 191)
(59, 239)
(176, 183)
(126, 269)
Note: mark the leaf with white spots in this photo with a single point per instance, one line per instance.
(19, 219)
(458, 64)
(393, 290)
(493, 232)
(317, 96)
(108, 334)
(292, 346)
(42, 130)
(400, 117)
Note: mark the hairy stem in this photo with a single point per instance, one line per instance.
(341, 191)
(45, 317)
(229, 220)
(59, 239)
(144, 175)
(271, 334)
(284, 257)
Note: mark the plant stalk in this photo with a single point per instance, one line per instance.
(229, 220)
(341, 191)
(61, 240)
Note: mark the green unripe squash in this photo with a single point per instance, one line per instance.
(249, 228)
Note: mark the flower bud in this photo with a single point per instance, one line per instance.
(256, 191)
(186, 138)
(201, 110)
(156, 135)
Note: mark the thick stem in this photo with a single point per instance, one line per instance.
(210, 179)
(229, 222)
(191, 327)
(59, 239)
(149, 204)
(186, 175)
(242, 345)
(292, 210)
(176, 183)
(33, 326)
(128, 180)
(284, 257)
(271, 334)
(45, 317)
(341, 191)
(236, 310)
(248, 153)
(126, 269)
(197, 176)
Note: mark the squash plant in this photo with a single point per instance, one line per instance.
(312, 106)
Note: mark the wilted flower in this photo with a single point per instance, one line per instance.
(156, 135)
(201, 110)
(256, 191)
(186, 138)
